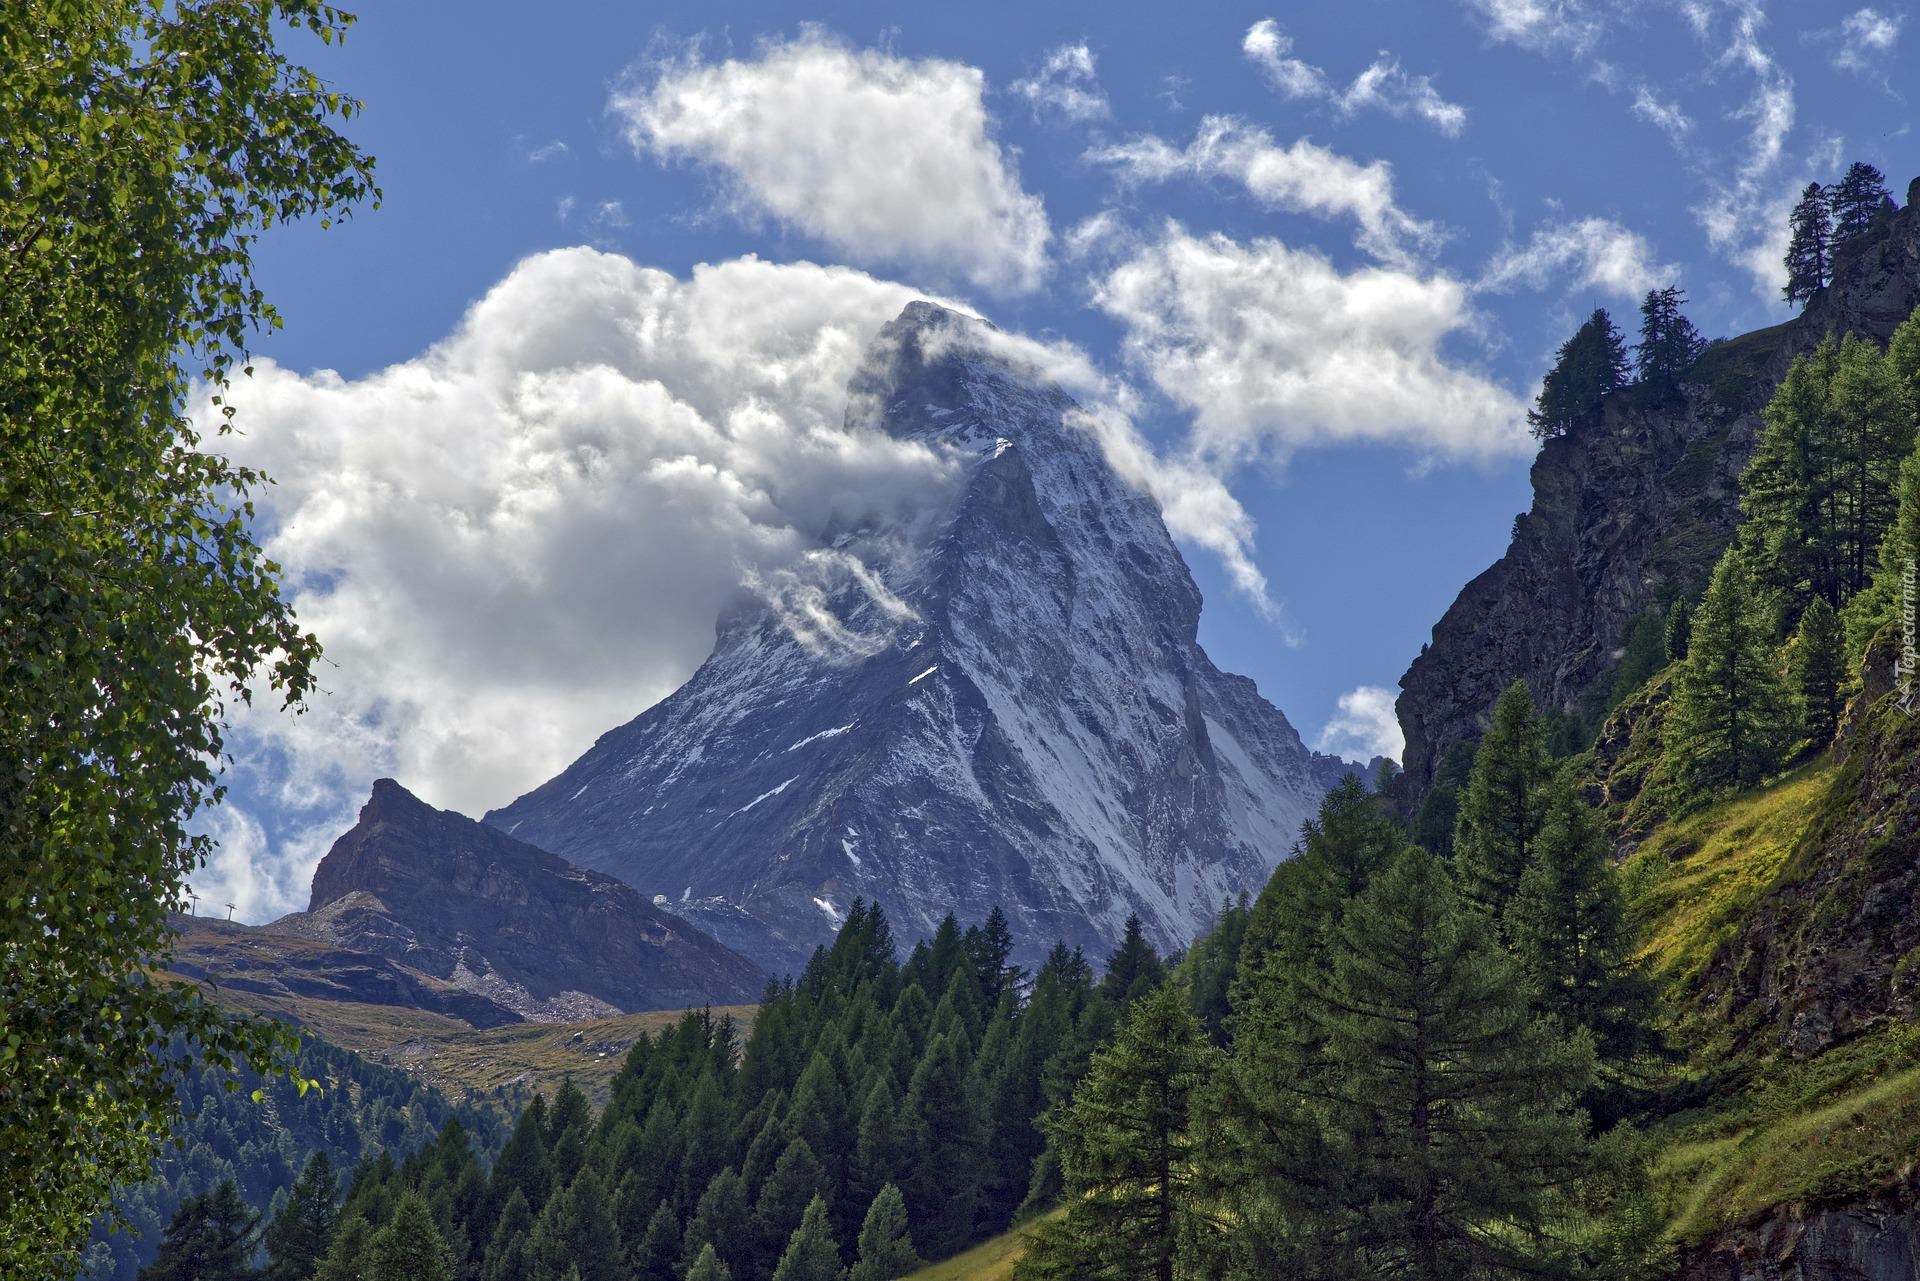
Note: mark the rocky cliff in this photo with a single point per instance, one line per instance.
(997, 700)
(1877, 1239)
(469, 909)
(1632, 507)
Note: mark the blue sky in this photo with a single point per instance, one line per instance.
(1308, 262)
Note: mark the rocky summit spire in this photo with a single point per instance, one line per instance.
(995, 701)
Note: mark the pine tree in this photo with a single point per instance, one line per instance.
(1568, 923)
(1810, 246)
(1500, 813)
(211, 1237)
(886, 1245)
(811, 1254)
(1816, 671)
(1127, 1152)
(300, 1233)
(1679, 629)
(707, 1267)
(345, 1259)
(1856, 200)
(1729, 708)
(1588, 368)
(1669, 344)
(1438, 1094)
(410, 1247)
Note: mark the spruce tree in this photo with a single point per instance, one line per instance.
(1126, 1152)
(410, 1247)
(1500, 812)
(1134, 969)
(1856, 200)
(1569, 930)
(811, 1254)
(797, 1180)
(1588, 368)
(944, 1161)
(505, 1257)
(1810, 245)
(345, 1259)
(1669, 344)
(1729, 710)
(1876, 431)
(723, 1221)
(707, 1267)
(211, 1237)
(655, 1256)
(300, 1233)
(886, 1243)
(576, 1230)
(1816, 672)
(1444, 1105)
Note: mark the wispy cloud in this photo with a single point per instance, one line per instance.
(1593, 253)
(1065, 85)
(1541, 24)
(1666, 116)
(1383, 86)
(1864, 38)
(1739, 214)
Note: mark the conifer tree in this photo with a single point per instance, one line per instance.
(1816, 671)
(576, 1230)
(1442, 1103)
(1440, 810)
(1810, 245)
(1569, 930)
(797, 1180)
(719, 1221)
(811, 1254)
(1876, 433)
(707, 1267)
(656, 1255)
(410, 1247)
(1729, 710)
(1134, 969)
(345, 1259)
(300, 1233)
(1500, 813)
(1588, 368)
(505, 1257)
(1856, 200)
(886, 1244)
(944, 1160)
(523, 1163)
(211, 1237)
(1669, 344)
(1679, 629)
(1126, 1152)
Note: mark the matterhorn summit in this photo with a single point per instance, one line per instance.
(997, 700)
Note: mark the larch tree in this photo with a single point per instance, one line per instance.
(409, 1247)
(1816, 670)
(299, 1234)
(1669, 344)
(1729, 714)
(1589, 367)
(1500, 812)
(886, 1243)
(811, 1254)
(1809, 245)
(1856, 200)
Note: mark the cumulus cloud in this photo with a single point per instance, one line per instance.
(1593, 253)
(888, 160)
(1273, 348)
(1383, 86)
(1302, 178)
(1540, 25)
(1364, 726)
(1065, 84)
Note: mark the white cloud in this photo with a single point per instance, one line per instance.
(1862, 38)
(1383, 85)
(1302, 178)
(1364, 727)
(1663, 115)
(1593, 253)
(1738, 214)
(888, 160)
(1272, 348)
(1541, 24)
(1066, 84)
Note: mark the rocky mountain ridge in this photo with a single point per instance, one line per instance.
(1631, 507)
(1001, 703)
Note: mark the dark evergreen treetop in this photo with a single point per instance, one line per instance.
(1857, 198)
(1810, 246)
(1669, 344)
(1590, 366)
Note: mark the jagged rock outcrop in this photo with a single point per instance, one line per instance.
(471, 909)
(998, 700)
(1635, 503)
(1877, 1239)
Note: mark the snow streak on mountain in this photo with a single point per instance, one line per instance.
(996, 701)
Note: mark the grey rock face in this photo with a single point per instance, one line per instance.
(468, 908)
(1637, 500)
(997, 702)
(1876, 1240)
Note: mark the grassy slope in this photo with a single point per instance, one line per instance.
(989, 1261)
(1777, 1132)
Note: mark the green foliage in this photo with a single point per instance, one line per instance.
(1729, 720)
(1440, 809)
(1816, 671)
(1500, 812)
(886, 1245)
(211, 1238)
(1644, 654)
(147, 145)
(1589, 367)
(1127, 1153)
(1669, 344)
(1133, 970)
(1856, 200)
(811, 1254)
(1210, 964)
(1809, 245)
(707, 1267)
(410, 1247)
(347, 1252)
(1679, 629)
(301, 1231)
